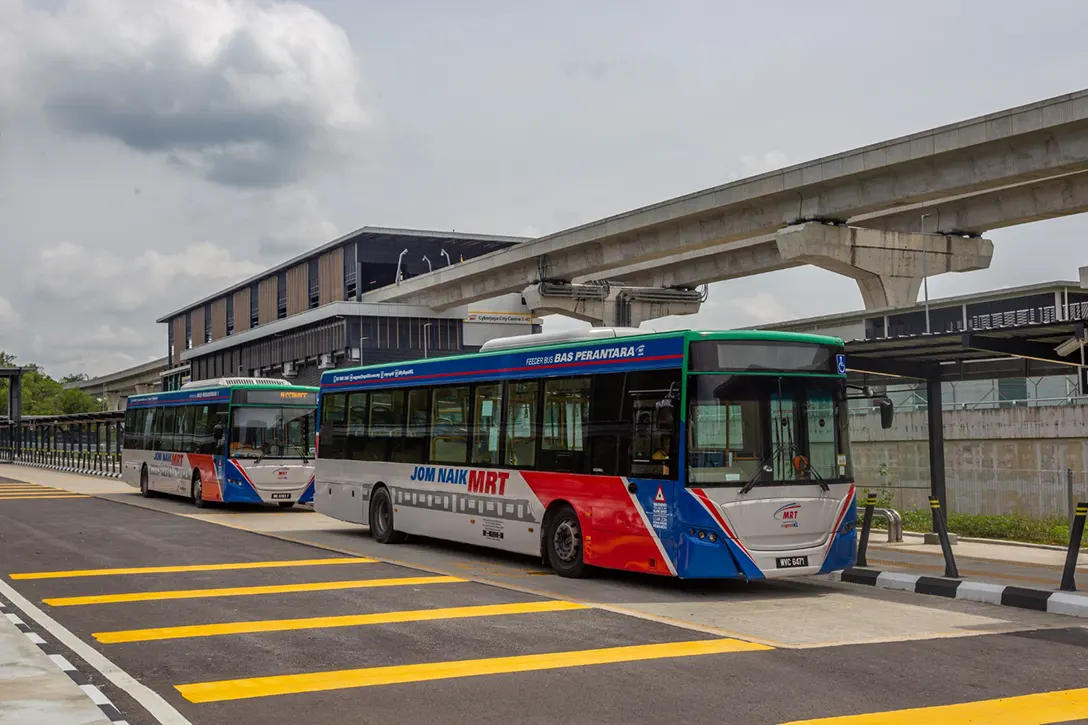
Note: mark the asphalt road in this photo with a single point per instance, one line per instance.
(524, 659)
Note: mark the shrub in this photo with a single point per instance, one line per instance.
(1010, 527)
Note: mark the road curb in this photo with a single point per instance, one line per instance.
(92, 692)
(1039, 600)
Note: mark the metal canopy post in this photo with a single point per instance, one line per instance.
(935, 417)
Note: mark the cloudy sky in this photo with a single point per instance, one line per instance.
(154, 151)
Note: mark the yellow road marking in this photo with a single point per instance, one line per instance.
(40, 496)
(194, 567)
(350, 620)
(248, 591)
(367, 677)
(1040, 709)
(27, 487)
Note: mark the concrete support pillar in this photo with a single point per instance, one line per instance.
(605, 306)
(888, 266)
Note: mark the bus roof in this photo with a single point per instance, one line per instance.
(445, 366)
(211, 392)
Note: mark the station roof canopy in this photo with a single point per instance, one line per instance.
(1028, 350)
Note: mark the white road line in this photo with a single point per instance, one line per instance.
(159, 708)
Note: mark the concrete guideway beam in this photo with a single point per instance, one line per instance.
(1014, 146)
(980, 213)
(888, 266)
(714, 264)
(607, 306)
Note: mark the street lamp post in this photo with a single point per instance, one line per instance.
(426, 334)
(925, 276)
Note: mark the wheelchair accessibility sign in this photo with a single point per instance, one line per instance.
(840, 364)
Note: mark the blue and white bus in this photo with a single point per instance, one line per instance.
(231, 440)
(689, 454)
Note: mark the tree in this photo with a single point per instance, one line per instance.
(42, 395)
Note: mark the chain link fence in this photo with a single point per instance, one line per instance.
(994, 492)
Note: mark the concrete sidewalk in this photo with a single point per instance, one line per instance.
(992, 561)
(34, 688)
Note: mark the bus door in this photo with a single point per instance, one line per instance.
(654, 460)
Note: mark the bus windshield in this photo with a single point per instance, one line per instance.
(271, 432)
(767, 429)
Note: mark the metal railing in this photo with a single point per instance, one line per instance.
(895, 524)
(88, 443)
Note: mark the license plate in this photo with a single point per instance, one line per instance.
(281, 495)
(787, 562)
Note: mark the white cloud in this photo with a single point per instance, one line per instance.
(295, 222)
(241, 92)
(105, 282)
(8, 317)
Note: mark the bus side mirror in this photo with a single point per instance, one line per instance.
(887, 413)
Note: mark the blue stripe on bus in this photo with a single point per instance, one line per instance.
(614, 356)
(180, 397)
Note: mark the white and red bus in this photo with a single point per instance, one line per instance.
(690, 454)
(231, 440)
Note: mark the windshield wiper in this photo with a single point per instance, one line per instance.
(265, 448)
(764, 467)
(303, 453)
(816, 475)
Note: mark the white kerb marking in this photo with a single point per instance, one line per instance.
(980, 592)
(63, 663)
(14, 618)
(35, 638)
(1067, 603)
(896, 580)
(95, 694)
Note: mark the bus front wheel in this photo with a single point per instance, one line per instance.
(564, 543)
(381, 518)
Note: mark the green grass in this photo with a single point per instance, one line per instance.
(1013, 527)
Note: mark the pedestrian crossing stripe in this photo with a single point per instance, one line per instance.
(348, 620)
(248, 591)
(1038, 709)
(221, 690)
(183, 568)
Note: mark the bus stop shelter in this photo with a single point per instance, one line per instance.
(1013, 351)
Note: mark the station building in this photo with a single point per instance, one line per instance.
(1043, 303)
(304, 316)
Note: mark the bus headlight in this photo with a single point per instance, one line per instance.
(847, 527)
(712, 536)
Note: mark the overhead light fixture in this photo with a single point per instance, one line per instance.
(1069, 346)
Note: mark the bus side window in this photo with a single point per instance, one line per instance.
(449, 425)
(485, 429)
(609, 433)
(150, 427)
(164, 439)
(355, 440)
(521, 423)
(413, 447)
(333, 422)
(566, 413)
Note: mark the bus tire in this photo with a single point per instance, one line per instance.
(286, 504)
(145, 484)
(563, 542)
(196, 491)
(381, 518)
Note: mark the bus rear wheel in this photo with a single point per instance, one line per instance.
(381, 518)
(145, 484)
(198, 491)
(563, 540)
